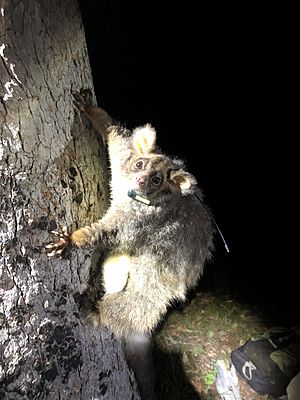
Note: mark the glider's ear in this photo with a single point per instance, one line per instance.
(182, 180)
(144, 139)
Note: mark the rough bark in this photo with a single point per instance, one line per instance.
(52, 171)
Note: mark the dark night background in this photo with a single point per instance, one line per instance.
(215, 83)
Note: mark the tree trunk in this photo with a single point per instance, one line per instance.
(52, 171)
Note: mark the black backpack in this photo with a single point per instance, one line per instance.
(270, 361)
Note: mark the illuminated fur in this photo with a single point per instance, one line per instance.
(164, 244)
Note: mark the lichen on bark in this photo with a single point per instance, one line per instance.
(52, 170)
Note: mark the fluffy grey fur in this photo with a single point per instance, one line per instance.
(167, 242)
